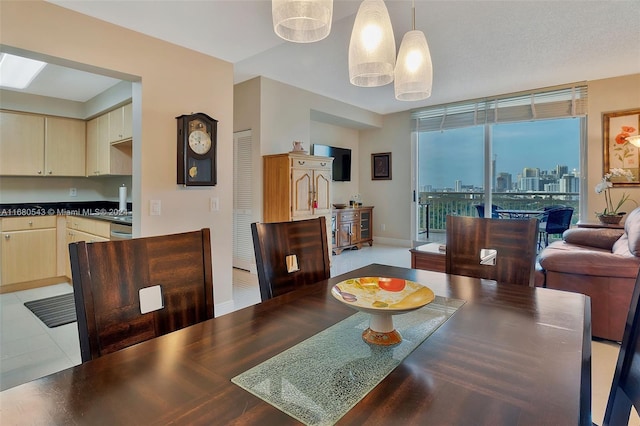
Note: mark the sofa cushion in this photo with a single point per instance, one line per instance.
(583, 260)
(632, 230)
(603, 238)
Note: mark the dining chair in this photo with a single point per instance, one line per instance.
(494, 208)
(503, 250)
(290, 254)
(129, 291)
(554, 222)
(625, 388)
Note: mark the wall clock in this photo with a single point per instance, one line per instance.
(197, 137)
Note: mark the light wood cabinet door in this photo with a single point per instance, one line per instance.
(98, 146)
(103, 160)
(28, 255)
(65, 143)
(127, 121)
(301, 195)
(92, 147)
(120, 123)
(21, 144)
(322, 181)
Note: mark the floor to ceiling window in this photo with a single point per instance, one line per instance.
(516, 152)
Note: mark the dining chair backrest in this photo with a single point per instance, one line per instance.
(494, 208)
(625, 388)
(554, 222)
(503, 250)
(290, 254)
(129, 291)
(558, 220)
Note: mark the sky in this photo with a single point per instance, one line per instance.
(458, 154)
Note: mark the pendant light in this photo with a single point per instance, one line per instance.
(302, 21)
(414, 70)
(372, 49)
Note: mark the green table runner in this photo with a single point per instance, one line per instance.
(320, 379)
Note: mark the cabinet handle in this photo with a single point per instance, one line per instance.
(323, 164)
(50, 172)
(39, 172)
(301, 162)
(7, 236)
(30, 223)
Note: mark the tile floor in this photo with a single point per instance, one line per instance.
(29, 349)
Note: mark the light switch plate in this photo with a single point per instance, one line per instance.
(155, 207)
(150, 299)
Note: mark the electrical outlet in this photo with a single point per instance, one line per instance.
(73, 192)
(155, 207)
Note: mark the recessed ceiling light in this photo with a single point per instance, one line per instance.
(17, 72)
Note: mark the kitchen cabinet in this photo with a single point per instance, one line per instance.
(21, 144)
(351, 228)
(28, 248)
(84, 229)
(37, 145)
(120, 123)
(103, 156)
(65, 145)
(296, 186)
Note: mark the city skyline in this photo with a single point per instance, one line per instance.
(451, 155)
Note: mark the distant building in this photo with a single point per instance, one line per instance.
(503, 182)
(458, 186)
(551, 187)
(529, 184)
(569, 183)
(561, 171)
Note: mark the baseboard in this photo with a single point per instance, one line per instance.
(392, 242)
(28, 285)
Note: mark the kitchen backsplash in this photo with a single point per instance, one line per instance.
(23, 189)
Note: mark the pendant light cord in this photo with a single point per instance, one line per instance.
(413, 10)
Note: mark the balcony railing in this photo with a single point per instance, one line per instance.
(437, 205)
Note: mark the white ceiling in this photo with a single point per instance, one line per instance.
(479, 48)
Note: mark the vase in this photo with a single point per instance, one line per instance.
(610, 219)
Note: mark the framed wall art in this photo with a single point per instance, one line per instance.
(619, 153)
(381, 166)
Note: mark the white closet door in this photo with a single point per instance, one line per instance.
(243, 256)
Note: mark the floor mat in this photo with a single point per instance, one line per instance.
(54, 311)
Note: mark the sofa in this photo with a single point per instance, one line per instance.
(602, 263)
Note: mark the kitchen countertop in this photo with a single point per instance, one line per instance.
(101, 210)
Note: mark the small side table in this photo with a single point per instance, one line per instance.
(585, 224)
(429, 257)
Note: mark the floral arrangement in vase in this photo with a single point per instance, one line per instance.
(611, 213)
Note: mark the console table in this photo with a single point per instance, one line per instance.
(429, 257)
(585, 224)
(351, 228)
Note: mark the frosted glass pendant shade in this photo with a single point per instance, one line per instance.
(372, 50)
(302, 21)
(414, 70)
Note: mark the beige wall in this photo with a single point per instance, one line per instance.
(607, 95)
(392, 198)
(171, 81)
(341, 137)
(279, 114)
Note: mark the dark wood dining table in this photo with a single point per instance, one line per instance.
(511, 355)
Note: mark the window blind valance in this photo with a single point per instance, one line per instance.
(558, 102)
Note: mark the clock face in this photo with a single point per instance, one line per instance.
(199, 142)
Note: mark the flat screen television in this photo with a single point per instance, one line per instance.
(341, 160)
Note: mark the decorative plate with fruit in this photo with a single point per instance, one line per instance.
(375, 294)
